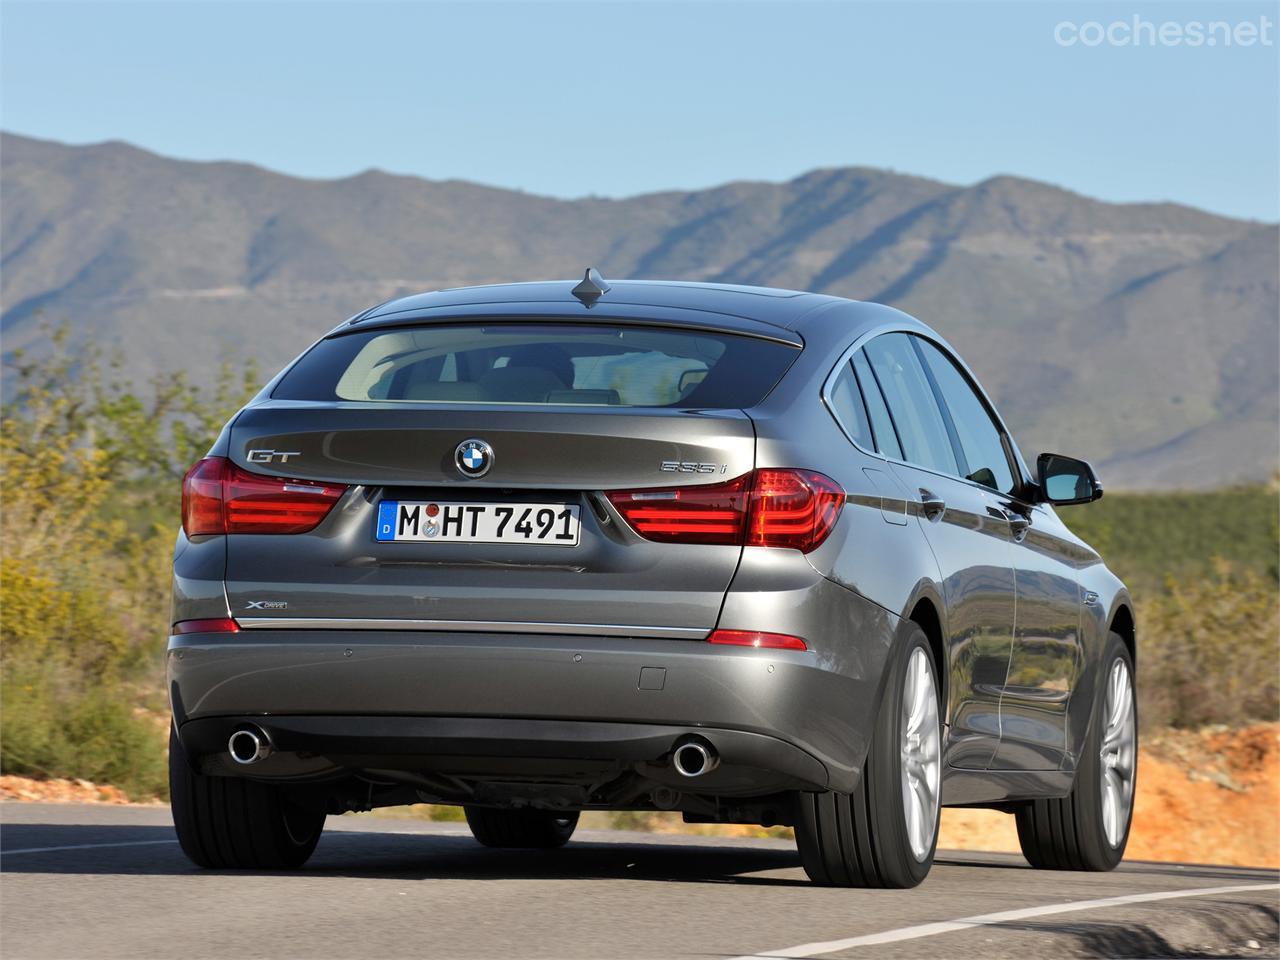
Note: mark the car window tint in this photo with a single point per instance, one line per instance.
(846, 404)
(881, 423)
(538, 362)
(979, 436)
(911, 402)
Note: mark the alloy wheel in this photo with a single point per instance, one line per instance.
(1118, 753)
(921, 754)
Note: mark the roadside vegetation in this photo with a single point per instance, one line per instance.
(90, 471)
(90, 467)
(1204, 572)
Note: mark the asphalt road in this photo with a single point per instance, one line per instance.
(101, 881)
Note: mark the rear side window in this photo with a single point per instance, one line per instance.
(541, 363)
(920, 427)
(877, 412)
(846, 404)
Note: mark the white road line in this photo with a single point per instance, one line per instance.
(988, 919)
(151, 843)
(86, 846)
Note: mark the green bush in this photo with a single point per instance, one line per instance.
(58, 723)
(1207, 650)
(1146, 538)
(84, 600)
(445, 813)
(1204, 571)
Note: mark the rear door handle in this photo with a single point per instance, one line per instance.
(932, 505)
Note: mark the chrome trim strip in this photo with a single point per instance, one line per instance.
(473, 626)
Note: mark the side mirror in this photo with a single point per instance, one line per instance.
(1066, 480)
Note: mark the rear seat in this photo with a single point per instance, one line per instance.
(447, 391)
(594, 397)
(519, 385)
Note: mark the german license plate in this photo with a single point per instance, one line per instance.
(425, 521)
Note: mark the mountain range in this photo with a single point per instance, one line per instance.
(1143, 337)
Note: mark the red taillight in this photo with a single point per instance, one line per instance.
(220, 497)
(765, 508)
(792, 508)
(220, 625)
(258, 504)
(202, 511)
(714, 513)
(754, 638)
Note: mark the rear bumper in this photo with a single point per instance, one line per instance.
(311, 747)
(364, 700)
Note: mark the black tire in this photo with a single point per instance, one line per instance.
(227, 823)
(530, 829)
(860, 839)
(1069, 834)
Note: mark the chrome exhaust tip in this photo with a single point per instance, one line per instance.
(693, 758)
(248, 746)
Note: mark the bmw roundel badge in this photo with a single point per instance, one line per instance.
(473, 458)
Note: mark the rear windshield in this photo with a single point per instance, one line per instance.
(539, 363)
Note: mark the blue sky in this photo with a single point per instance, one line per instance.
(616, 98)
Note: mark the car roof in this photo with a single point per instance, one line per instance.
(761, 311)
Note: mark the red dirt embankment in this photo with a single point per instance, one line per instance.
(1206, 797)
(60, 791)
(1211, 796)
